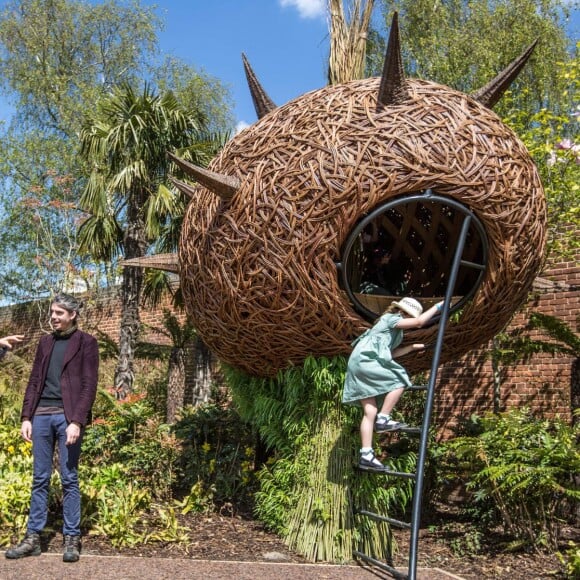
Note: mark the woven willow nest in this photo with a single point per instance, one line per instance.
(258, 270)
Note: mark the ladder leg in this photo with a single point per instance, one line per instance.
(418, 491)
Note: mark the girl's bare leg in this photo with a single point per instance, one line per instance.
(368, 421)
(391, 399)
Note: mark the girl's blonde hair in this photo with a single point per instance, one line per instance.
(391, 308)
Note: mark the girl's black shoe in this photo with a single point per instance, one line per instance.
(372, 464)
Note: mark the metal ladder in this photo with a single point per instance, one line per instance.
(423, 431)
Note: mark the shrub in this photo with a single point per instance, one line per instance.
(521, 471)
(217, 459)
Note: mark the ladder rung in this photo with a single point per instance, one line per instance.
(473, 265)
(393, 473)
(394, 572)
(402, 474)
(417, 388)
(380, 518)
(411, 430)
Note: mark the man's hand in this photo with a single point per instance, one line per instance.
(73, 432)
(26, 430)
(9, 341)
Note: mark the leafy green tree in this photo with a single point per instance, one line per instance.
(553, 139)
(126, 141)
(465, 44)
(57, 59)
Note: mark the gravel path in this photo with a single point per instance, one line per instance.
(50, 566)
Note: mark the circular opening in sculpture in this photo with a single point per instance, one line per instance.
(407, 247)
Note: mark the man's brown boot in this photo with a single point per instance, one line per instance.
(72, 549)
(30, 546)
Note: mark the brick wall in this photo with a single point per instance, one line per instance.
(542, 382)
(465, 387)
(101, 313)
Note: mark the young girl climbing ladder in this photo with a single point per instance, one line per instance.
(373, 375)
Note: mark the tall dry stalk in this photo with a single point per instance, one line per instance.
(323, 526)
(348, 40)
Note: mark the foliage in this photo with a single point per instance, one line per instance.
(552, 135)
(125, 141)
(520, 345)
(217, 459)
(521, 471)
(137, 475)
(54, 78)
(46, 75)
(309, 489)
(16, 478)
(133, 436)
(457, 43)
(14, 371)
(466, 44)
(570, 560)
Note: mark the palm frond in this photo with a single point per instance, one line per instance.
(156, 285)
(101, 237)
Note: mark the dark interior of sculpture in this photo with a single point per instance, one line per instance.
(405, 248)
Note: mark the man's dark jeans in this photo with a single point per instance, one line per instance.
(47, 431)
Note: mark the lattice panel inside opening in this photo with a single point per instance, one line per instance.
(408, 250)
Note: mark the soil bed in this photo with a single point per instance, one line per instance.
(445, 542)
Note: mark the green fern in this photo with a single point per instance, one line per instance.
(525, 468)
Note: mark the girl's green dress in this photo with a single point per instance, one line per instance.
(371, 370)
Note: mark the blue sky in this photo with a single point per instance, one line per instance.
(286, 42)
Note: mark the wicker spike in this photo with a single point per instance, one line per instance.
(491, 93)
(185, 188)
(165, 262)
(393, 90)
(262, 102)
(225, 186)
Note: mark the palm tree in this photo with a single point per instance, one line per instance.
(181, 335)
(125, 144)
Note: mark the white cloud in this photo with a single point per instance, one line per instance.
(307, 8)
(241, 126)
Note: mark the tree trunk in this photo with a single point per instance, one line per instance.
(135, 246)
(203, 373)
(175, 383)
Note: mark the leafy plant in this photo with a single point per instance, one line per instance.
(521, 471)
(310, 491)
(217, 460)
(570, 560)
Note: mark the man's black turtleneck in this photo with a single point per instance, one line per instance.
(52, 393)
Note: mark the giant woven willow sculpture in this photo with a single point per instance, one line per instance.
(266, 223)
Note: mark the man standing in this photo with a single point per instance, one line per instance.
(57, 403)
